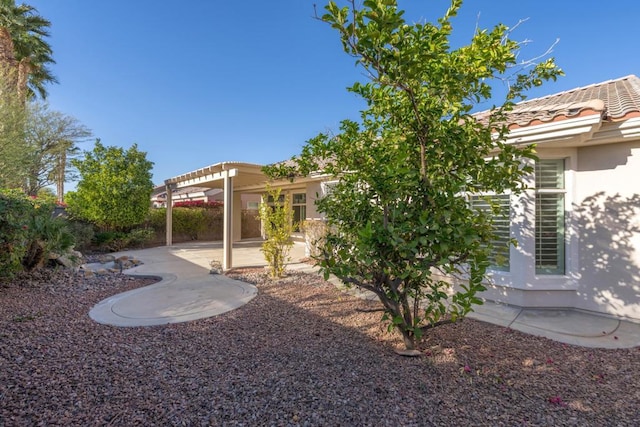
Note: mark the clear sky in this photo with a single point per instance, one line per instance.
(204, 81)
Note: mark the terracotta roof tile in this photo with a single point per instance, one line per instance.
(614, 99)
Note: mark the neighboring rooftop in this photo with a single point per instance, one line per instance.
(614, 99)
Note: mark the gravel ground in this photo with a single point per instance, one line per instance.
(298, 354)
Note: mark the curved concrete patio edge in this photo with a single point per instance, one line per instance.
(156, 304)
(188, 293)
(102, 312)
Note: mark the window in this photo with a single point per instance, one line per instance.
(549, 235)
(500, 208)
(270, 199)
(299, 204)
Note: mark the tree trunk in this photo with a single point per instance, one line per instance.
(408, 338)
(62, 165)
(34, 258)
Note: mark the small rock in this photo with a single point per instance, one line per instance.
(105, 258)
(408, 353)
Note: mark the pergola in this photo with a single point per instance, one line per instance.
(233, 178)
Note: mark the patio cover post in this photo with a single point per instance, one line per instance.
(169, 222)
(227, 223)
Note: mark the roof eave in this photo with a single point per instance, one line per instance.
(580, 128)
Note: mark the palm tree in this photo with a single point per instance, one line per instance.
(32, 53)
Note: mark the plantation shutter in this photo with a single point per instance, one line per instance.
(549, 235)
(499, 206)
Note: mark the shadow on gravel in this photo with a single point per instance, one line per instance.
(294, 355)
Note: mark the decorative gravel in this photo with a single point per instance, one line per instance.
(302, 353)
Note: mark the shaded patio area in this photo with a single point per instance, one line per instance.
(246, 253)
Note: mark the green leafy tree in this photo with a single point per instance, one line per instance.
(277, 222)
(115, 187)
(399, 215)
(32, 53)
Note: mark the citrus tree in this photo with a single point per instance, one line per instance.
(115, 187)
(398, 220)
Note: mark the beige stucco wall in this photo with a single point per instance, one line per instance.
(602, 245)
(314, 190)
(607, 215)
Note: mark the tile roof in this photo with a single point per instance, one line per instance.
(614, 99)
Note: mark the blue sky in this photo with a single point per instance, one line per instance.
(200, 82)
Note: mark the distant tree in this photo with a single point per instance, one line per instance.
(51, 138)
(32, 53)
(399, 214)
(47, 194)
(115, 187)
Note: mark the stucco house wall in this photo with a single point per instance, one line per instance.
(607, 211)
(596, 130)
(602, 242)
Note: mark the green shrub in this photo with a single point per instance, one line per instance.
(29, 233)
(157, 219)
(277, 218)
(189, 221)
(83, 233)
(15, 212)
(139, 237)
(114, 241)
(47, 235)
(213, 218)
(103, 238)
(193, 222)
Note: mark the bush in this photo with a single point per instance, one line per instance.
(157, 219)
(278, 227)
(47, 235)
(83, 234)
(29, 233)
(15, 213)
(189, 221)
(192, 222)
(139, 237)
(114, 241)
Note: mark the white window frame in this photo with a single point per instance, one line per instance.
(560, 226)
(294, 205)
